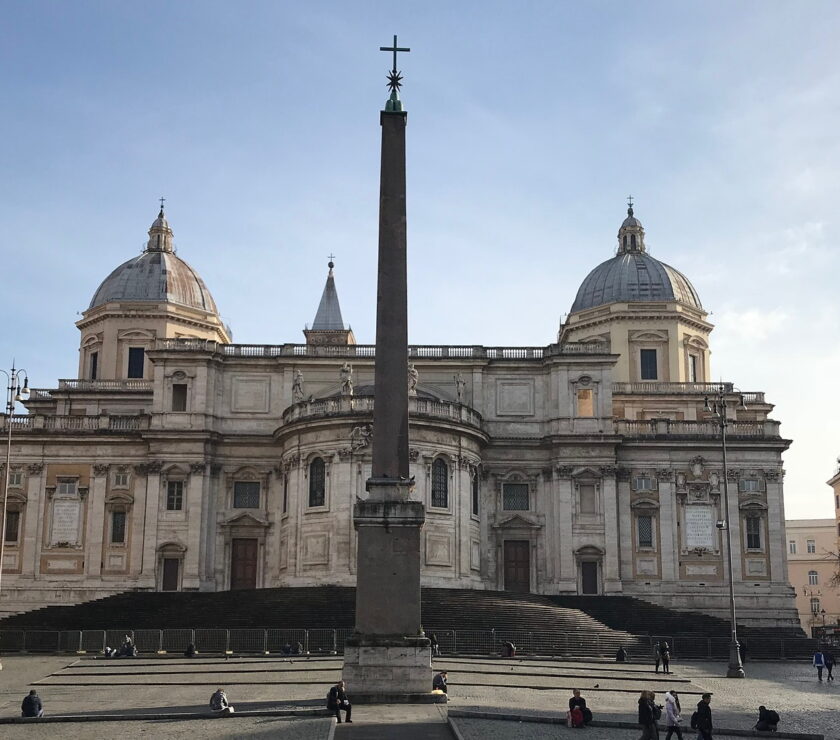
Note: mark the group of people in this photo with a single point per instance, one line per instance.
(824, 660)
(650, 714)
(662, 654)
(127, 650)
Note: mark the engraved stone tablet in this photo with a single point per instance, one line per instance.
(65, 522)
(699, 527)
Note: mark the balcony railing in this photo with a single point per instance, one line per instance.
(669, 428)
(81, 384)
(416, 351)
(363, 405)
(62, 423)
(665, 388)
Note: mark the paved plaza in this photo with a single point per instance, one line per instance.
(173, 685)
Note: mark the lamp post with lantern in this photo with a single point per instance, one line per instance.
(15, 392)
(717, 405)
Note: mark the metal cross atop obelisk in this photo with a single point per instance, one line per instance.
(395, 49)
(388, 659)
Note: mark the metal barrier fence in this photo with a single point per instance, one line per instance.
(331, 641)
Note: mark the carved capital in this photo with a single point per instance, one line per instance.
(198, 468)
(608, 471)
(563, 471)
(83, 492)
(663, 475)
(773, 474)
(101, 469)
(35, 469)
(732, 474)
(344, 453)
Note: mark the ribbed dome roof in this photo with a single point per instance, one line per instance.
(158, 274)
(633, 275)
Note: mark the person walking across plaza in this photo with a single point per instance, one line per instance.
(665, 652)
(828, 659)
(647, 716)
(657, 654)
(31, 705)
(672, 715)
(337, 701)
(819, 663)
(702, 718)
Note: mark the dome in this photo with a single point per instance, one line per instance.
(157, 275)
(633, 275)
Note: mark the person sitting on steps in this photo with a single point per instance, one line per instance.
(337, 700)
(219, 703)
(578, 702)
(768, 720)
(31, 705)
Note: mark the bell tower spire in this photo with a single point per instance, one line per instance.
(160, 235)
(631, 235)
(328, 326)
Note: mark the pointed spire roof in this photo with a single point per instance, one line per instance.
(328, 317)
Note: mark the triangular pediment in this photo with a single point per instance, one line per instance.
(245, 519)
(516, 521)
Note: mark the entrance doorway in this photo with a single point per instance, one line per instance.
(589, 577)
(517, 565)
(171, 567)
(243, 564)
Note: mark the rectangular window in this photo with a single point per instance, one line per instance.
(179, 397)
(15, 479)
(813, 578)
(94, 365)
(643, 483)
(645, 530)
(792, 547)
(647, 360)
(588, 500)
(285, 493)
(117, 527)
(66, 486)
(246, 494)
(12, 525)
(748, 485)
(515, 497)
(120, 480)
(753, 533)
(837, 501)
(476, 493)
(585, 402)
(692, 368)
(175, 495)
(136, 358)
(811, 546)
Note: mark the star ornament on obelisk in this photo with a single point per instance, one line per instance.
(388, 659)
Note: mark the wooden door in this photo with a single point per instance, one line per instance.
(170, 574)
(589, 577)
(517, 565)
(243, 564)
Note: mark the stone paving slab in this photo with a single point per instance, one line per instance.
(249, 728)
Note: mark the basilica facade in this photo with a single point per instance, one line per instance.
(178, 460)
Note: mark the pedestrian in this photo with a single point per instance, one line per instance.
(657, 654)
(672, 714)
(666, 658)
(439, 682)
(337, 700)
(508, 650)
(828, 659)
(742, 650)
(434, 643)
(819, 663)
(190, 652)
(768, 720)
(31, 705)
(621, 655)
(219, 703)
(646, 716)
(701, 720)
(577, 701)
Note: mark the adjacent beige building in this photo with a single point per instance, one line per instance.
(812, 564)
(180, 461)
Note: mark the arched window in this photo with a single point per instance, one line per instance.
(476, 493)
(813, 578)
(317, 481)
(440, 484)
(815, 605)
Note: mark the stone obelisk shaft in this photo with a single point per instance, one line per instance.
(390, 414)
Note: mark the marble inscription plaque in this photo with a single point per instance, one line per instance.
(699, 527)
(65, 522)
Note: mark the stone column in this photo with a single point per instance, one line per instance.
(96, 524)
(568, 564)
(612, 580)
(387, 655)
(668, 528)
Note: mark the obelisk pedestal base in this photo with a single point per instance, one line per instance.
(383, 670)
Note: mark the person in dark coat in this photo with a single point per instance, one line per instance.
(433, 642)
(578, 701)
(828, 658)
(704, 718)
(666, 657)
(31, 705)
(621, 655)
(768, 720)
(190, 651)
(337, 700)
(439, 682)
(657, 655)
(646, 717)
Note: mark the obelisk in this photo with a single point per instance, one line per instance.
(388, 658)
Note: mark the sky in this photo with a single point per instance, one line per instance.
(529, 123)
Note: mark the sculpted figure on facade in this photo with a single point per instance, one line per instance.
(360, 437)
(413, 377)
(297, 387)
(460, 387)
(345, 375)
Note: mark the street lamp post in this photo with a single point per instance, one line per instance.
(718, 407)
(14, 392)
